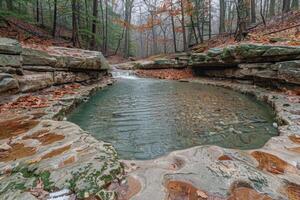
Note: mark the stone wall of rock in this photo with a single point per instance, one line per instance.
(277, 64)
(28, 70)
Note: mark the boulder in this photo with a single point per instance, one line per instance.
(79, 59)
(10, 61)
(34, 57)
(7, 83)
(10, 46)
(35, 81)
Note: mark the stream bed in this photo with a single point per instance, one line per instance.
(147, 118)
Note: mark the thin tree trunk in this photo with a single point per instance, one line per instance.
(272, 8)
(209, 19)
(286, 6)
(102, 25)
(261, 12)
(253, 11)
(295, 4)
(241, 21)
(54, 18)
(42, 13)
(106, 27)
(75, 34)
(222, 16)
(183, 26)
(94, 25)
(173, 28)
(194, 30)
(37, 11)
(9, 5)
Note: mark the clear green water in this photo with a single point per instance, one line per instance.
(147, 118)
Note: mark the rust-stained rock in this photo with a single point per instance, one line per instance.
(179, 190)
(224, 157)
(68, 161)
(270, 163)
(293, 191)
(17, 151)
(56, 152)
(294, 149)
(16, 126)
(295, 138)
(245, 193)
(44, 137)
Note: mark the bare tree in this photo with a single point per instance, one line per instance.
(222, 16)
(286, 6)
(54, 18)
(94, 24)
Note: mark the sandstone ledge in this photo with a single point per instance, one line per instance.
(31, 69)
(39, 155)
(255, 62)
(211, 172)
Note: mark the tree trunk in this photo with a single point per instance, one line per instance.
(222, 16)
(241, 21)
(194, 30)
(295, 4)
(253, 11)
(9, 5)
(54, 18)
(103, 26)
(75, 34)
(106, 27)
(173, 28)
(209, 19)
(128, 10)
(42, 13)
(94, 24)
(286, 6)
(272, 8)
(37, 11)
(183, 26)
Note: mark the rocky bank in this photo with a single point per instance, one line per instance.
(41, 158)
(211, 172)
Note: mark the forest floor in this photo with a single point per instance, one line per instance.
(279, 30)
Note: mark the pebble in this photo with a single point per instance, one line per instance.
(275, 125)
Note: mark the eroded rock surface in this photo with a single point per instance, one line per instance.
(33, 69)
(211, 172)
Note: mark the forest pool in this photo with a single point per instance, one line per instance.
(147, 118)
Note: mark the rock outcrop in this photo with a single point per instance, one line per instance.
(212, 172)
(28, 70)
(255, 62)
(38, 155)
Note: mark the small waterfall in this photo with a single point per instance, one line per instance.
(125, 74)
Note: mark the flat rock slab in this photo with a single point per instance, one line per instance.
(211, 172)
(59, 154)
(10, 46)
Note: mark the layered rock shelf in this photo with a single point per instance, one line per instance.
(28, 70)
(40, 157)
(254, 62)
(212, 172)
